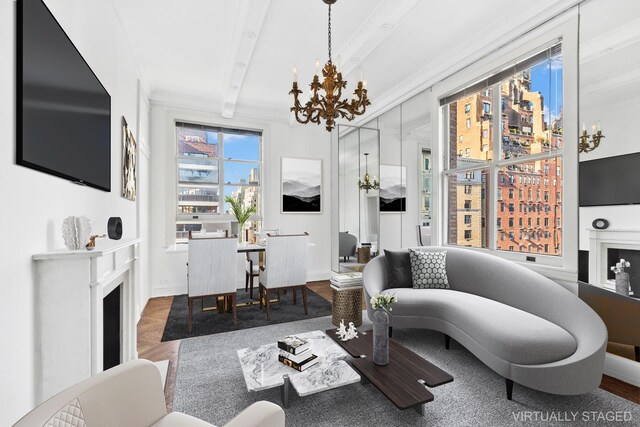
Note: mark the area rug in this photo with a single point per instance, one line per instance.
(209, 385)
(212, 322)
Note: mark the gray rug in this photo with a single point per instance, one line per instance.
(210, 386)
(212, 322)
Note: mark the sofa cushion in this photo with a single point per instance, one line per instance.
(398, 269)
(510, 333)
(429, 269)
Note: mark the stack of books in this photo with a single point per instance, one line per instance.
(295, 352)
(347, 280)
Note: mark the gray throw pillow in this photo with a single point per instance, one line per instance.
(429, 269)
(398, 269)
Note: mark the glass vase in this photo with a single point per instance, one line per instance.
(622, 283)
(380, 337)
(240, 233)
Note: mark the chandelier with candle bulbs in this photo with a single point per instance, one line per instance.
(328, 106)
(365, 183)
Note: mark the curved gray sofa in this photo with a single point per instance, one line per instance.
(524, 326)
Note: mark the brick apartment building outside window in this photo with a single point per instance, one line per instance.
(525, 153)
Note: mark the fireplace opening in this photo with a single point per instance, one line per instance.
(111, 329)
(633, 256)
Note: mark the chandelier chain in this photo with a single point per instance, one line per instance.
(329, 34)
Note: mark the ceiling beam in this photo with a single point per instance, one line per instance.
(617, 38)
(372, 32)
(248, 23)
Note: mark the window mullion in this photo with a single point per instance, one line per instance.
(221, 172)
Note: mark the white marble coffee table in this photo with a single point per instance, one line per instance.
(262, 370)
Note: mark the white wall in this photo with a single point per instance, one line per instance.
(34, 204)
(610, 93)
(168, 271)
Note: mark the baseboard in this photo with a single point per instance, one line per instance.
(314, 276)
(622, 368)
(167, 291)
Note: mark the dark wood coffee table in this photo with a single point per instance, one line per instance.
(403, 381)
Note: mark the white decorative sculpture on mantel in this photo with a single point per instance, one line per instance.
(346, 334)
(76, 231)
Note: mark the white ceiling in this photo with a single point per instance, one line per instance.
(239, 54)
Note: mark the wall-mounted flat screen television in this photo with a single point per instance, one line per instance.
(63, 111)
(610, 181)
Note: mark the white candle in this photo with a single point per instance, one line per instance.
(364, 83)
(584, 127)
(317, 67)
(295, 74)
(360, 68)
(593, 128)
(598, 126)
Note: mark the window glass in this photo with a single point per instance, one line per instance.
(471, 133)
(539, 213)
(203, 178)
(467, 222)
(528, 193)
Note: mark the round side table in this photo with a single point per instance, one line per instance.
(346, 305)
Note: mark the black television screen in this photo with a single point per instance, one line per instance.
(63, 111)
(610, 181)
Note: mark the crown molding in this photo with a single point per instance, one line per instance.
(444, 67)
(610, 41)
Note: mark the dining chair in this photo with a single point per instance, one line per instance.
(286, 267)
(424, 235)
(207, 234)
(251, 270)
(211, 271)
(252, 263)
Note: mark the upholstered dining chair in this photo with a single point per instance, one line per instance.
(285, 267)
(252, 263)
(207, 234)
(251, 270)
(212, 271)
(424, 235)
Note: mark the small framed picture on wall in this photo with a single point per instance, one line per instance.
(393, 188)
(301, 185)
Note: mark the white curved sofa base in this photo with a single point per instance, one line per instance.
(579, 373)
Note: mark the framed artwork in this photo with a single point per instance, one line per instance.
(301, 185)
(393, 188)
(129, 160)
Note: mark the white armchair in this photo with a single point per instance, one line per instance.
(285, 268)
(131, 395)
(212, 271)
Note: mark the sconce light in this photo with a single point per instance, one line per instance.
(589, 144)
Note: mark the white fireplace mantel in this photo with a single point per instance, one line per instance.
(70, 287)
(599, 242)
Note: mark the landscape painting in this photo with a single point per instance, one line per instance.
(393, 188)
(301, 185)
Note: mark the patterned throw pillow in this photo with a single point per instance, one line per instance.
(429, 269)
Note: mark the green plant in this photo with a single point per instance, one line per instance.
(239, 210)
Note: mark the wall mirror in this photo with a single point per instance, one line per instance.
(358, 197)
(610, 99)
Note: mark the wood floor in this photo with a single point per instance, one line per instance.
(155, 314)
